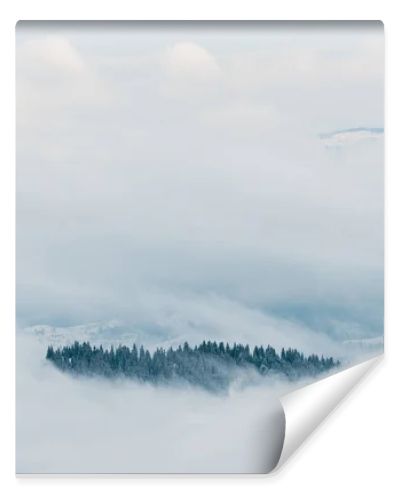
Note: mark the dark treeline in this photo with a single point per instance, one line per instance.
(210, 365)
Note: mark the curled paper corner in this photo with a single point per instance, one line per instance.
(306, 408)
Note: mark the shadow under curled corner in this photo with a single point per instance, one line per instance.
(306, 408)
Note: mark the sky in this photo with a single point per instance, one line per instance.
(202, 181)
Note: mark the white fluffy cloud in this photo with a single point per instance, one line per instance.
(191, 72)
(54, 53)
(188, 60)
(53, 79)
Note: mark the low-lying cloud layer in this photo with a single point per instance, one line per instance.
(66, 425)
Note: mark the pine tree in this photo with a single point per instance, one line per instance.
(210, 365)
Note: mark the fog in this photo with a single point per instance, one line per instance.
(69, 425)
(158, 168)
(185, 183)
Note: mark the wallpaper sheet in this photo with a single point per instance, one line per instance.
(199, 239)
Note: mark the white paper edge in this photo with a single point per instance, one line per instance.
(306, 408)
